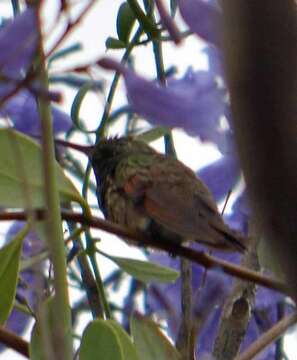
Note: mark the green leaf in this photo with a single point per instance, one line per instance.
(153, 134)
(21, 170)
(100, 339)
(31, 261)
(10, 256)
(129, 350)
(145, 21)
(145, 271)
(36, 349)
(150, 342)
(76, 105)
(113, 43)
(125, 22)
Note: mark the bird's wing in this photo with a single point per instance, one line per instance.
(182, 211)
(175, 199)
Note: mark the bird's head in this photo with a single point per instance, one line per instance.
(109, 152)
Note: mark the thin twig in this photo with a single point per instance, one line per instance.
(168, 23)
(90, 286)
(70, 27)
(30, 76)
(268, 337)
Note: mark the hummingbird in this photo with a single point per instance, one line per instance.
(157, 195)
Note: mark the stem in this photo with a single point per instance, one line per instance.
(158, 53)
(183, 342)
(146, 24)
(91, 287)
(15, 7)
(99, 282)
(61, 331)
(71, 26)
(168, 22)
(88, 281)
(112, 90)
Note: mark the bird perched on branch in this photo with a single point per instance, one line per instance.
(157, 195)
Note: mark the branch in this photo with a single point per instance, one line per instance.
(236, 312)
(14, 342)
(137, 239)
(183, 342)
(268, 338)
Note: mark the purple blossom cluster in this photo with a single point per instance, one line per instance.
(18, 41)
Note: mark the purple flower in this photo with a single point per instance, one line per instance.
(22, 110)
(195, 102)
(19, 39)
(18, 43)
(203, 18)
(221, 176)
(177, 106)
(215, 61)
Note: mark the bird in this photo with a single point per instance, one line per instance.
(158, 196)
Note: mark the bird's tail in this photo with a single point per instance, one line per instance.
(223, 238)
(233, 239)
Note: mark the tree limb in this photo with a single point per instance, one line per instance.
(199, 257)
